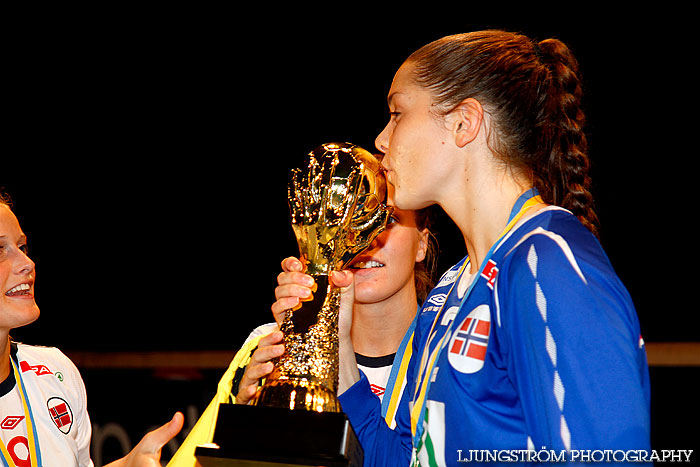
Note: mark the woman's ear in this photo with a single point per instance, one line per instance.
(422, 245)
(467, 119)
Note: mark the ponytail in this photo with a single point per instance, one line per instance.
(567, 165)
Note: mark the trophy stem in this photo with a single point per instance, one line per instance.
(306, 375)
(303, 318)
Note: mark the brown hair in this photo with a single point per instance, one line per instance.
(424, 271)
(533, 92)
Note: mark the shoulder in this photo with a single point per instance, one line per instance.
(552, 243)
(53, 373)
(43, 358)
(556, 266)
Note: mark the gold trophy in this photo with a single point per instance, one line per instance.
(337, 209)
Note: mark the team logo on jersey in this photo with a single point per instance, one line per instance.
(40, 370)
(11, 421)
(489, 273)
(469, 342)
(437, 299)
(449, 277)
(376, 389)
(61, 414)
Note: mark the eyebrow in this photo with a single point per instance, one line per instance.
(22, 237)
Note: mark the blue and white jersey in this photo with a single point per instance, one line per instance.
(540, 349)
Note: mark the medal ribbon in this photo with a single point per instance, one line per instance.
(527, 200)
(398, 373)
(34, 452)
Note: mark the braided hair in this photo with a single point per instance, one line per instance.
(532, 92)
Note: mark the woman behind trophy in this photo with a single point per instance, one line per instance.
(392, 278)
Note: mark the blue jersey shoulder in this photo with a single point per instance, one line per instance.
(568, 325)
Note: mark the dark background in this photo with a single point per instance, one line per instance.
(147, 155)
(147, 159)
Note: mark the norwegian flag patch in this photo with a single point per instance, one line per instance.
(467, 349)
(61, 414)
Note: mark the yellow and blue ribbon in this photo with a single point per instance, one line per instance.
(527, 200)
(34, 451)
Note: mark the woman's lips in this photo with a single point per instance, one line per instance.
(20, 290)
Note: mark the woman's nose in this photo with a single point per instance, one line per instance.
(24, 264)
(382, 140)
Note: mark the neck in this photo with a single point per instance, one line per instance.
(4, 356)
(378, 328)
(482, 212)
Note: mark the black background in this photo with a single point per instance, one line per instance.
(146, 154)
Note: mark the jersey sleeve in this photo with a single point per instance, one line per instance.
(381, 444)
(573, 348)
(82, 419)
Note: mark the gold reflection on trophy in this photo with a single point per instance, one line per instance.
(337, 209)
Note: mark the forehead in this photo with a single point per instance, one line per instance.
(402, 84)
(8, 221)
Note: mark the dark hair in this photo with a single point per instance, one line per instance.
(424, 271)
(532, 92)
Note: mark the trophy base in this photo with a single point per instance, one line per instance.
(297, 394)
(268, 436)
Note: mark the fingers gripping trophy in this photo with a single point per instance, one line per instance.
(337, 209)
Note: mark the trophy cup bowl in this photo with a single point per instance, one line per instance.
(337, 209)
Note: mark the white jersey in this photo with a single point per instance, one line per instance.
(56, 397)
(377, 370)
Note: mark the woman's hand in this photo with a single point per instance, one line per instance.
(295, 287)
(147, 452)
(269, 347)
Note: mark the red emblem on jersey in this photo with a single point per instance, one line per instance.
(38, 369)
(378, 390)
(11, 421)
(61, 414)
(489, 273)
(19, 456)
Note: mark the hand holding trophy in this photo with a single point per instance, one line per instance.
(337, 210)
